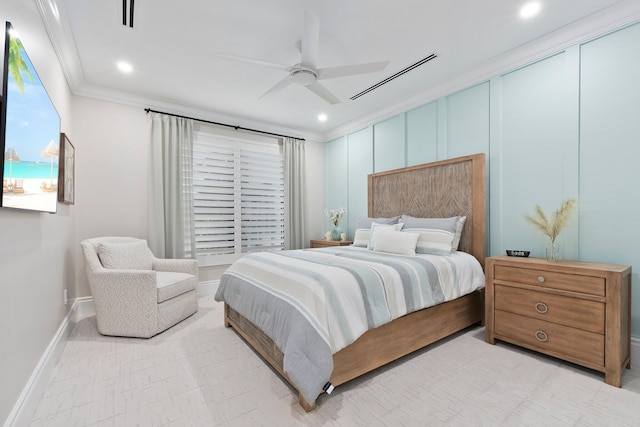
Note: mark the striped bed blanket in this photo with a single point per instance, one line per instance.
(314, 302)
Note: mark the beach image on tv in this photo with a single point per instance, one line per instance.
(32, 136)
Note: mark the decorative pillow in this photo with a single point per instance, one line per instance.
(375, 226)
(361, 237)
(432, 241)
(363, 229)
(366, 222)
(396, 242)
(453, 224)
(459, 227)
(126, 256)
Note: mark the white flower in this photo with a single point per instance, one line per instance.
(335, 215)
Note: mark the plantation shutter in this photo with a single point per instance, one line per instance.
(238, 197)
(262, 199)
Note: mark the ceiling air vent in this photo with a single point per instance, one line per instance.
(396, 75)
(127, 12)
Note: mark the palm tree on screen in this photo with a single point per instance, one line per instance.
(17, 65)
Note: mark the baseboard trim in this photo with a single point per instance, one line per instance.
(207, 288)
(84, 309)
(27, 402)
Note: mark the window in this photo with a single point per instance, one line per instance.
(238, 197)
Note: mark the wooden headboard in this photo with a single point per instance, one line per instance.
(436, 190)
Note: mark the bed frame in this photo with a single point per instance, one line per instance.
(440, 189)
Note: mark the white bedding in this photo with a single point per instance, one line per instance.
(313, 303)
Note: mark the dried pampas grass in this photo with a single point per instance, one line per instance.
(552, 226)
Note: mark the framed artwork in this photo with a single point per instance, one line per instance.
(66, 171)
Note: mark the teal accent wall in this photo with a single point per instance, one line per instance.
(336, 170)
(467, 124)
(565, 126)
(610, 154)
(538, 153)
(388, 146)
(422, 134)
(360, 149)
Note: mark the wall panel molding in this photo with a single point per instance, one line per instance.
(615, 18)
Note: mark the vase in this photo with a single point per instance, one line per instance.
(335, 233)
(552, 251)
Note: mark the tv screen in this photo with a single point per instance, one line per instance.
(29, 132)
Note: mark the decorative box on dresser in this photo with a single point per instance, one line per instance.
(325, 243)
(576, 311)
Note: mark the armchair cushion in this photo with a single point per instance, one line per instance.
(173, 284)
(126, 256)
(176, 265)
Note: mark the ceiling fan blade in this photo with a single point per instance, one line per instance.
(323, 93)
(286, 81)
(253, 61)
(310, 36)
(350, 70)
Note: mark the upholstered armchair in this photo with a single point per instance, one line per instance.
(134, 293)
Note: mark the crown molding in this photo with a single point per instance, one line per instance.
(616, 17)
(64, 46)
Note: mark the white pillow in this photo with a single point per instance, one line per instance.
(396, 242)
(375, 226)
(361, 237)
(126, 256)
(433, 241)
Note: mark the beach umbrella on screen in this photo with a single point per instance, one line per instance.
(11, 156)
(50, 151)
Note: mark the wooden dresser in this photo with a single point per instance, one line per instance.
(325, 243)
(576, 311)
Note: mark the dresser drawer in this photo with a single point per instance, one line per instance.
(550, 338)
(551, 279)
(574, 312)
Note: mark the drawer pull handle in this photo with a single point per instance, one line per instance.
(541, 336)
(541, 279)
(541, 307)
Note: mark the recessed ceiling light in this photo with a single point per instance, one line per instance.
(530, 10)
(322, 117)
(125, 67)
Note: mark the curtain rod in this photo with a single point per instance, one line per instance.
(149, 110)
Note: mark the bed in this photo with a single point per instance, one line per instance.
(454, 187)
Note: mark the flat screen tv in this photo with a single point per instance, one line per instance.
(29, 133)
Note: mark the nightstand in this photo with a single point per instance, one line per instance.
(575, 311)
(326, 243)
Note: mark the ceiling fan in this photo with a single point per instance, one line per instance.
(306, 73)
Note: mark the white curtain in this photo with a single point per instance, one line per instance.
(170, 187)
(294, 194)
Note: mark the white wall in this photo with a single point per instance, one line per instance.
(37, 251)
(111, 142)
